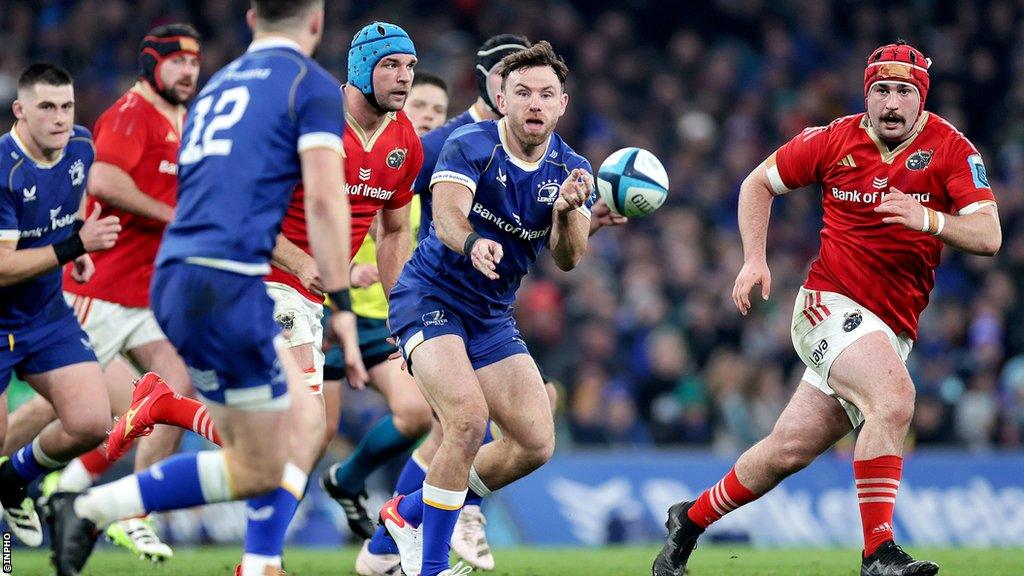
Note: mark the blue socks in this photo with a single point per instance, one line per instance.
(30, 462)
(172, 484)
(440, 513)
(380, 444)
(269, 515)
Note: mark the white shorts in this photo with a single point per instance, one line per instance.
(299, 319)
(114, 329)
(825, 324)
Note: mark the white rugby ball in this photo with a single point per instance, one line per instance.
(633, 182)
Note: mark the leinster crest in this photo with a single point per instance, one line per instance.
(851, 320)
(77, 172)
(919, 160)
(397, 157)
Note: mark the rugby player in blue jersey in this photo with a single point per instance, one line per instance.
(268, 120)
(44, 160)
(503, 190)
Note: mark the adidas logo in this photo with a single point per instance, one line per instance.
(364, 174)
(883, 527)
(880, 183)
(847, 161)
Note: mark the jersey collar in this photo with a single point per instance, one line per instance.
(24, 150)
(368, 140)
(524, 164)
(273, 42)
(889, 155)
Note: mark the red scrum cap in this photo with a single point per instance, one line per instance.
(164, 42)
(899, 62)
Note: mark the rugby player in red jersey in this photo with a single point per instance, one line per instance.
(898, 183)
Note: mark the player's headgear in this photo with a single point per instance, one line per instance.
(899, 62)
(375, 41)
(489, 55)
(164, 42)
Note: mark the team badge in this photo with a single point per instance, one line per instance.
(77, 172)
(435, 318)
(397, 157)
(547, 191)
(851, 320)
(919, 160)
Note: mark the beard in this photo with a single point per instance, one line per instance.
(528, 138)
(171, 95)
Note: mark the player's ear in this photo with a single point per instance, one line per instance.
(250, 18)
(19, 109)
(564, 104)
(316, 27)
(499, 99)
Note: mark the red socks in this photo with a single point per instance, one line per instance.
(95, 462)
(185, 413)
(719, 500)
(878, 480)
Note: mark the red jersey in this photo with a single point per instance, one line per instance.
(134, 136)
(380, 170)
(887, 268)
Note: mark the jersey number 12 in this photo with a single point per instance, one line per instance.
(237, 99)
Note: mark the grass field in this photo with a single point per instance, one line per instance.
(708, 560)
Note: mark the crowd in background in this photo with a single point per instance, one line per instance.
(643, 337)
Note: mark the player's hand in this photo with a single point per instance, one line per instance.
(601, 215)
(363, 275)
(343, 328)
(99, 233)
(485, 255)
(904, 210)
(753, 272)
(574, 191)
(397, 354)
(82, 269)
(309, 275)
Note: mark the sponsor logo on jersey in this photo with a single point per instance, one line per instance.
(397, 157)
(29, 193)
(286, 320)
(57, 222)
(547, 191)
(77, 172)
(168, 167)
(847, 161)
(362, 189)
(511, 228)
(818, 354)
(919, 160)
(851, 320)
(880, 183)
(978, 172)
(502, 178)
(435, 318)
(364, 174)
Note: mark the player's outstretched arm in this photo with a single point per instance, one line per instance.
(570, 228)
(113, 186)
(451, 221)
(394, 245)
(976, 233)
(755, 208)
(17, 266)
(328, 219)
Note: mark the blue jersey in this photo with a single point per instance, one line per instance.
(38, 207)
(433, 141)
(239, 160)
(513, 204)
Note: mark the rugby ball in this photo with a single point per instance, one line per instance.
(633, 182)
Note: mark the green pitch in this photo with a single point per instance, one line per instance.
(707, 560)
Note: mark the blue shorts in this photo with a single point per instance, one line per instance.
(419, 313)
(222, 324)
(373, 346)
(33, 350)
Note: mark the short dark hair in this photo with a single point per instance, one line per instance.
(43, 73)
(430, 79)
(540, 54)
(277, 10)
(175, 29)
